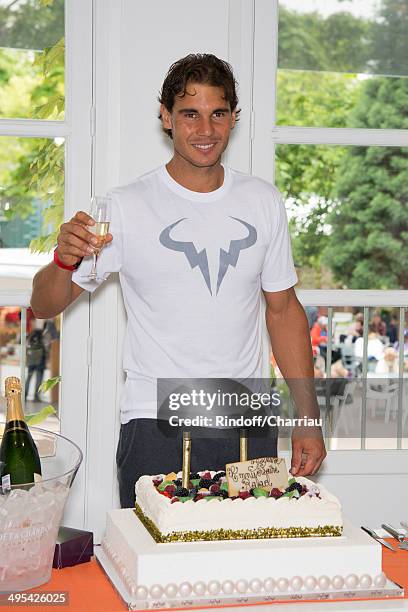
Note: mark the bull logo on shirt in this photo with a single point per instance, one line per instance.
(200, 259)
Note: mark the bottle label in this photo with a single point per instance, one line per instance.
(6, 483)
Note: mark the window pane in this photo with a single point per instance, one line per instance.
(358, 410)
(31, 209)
(31, 191)
(32, 59)
(347, 208)
(343, 63)
(42, 364)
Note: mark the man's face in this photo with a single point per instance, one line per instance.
(201, 122)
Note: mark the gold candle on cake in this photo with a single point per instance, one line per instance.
(243, 445)
(186, 459)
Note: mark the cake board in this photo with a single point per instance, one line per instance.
(149, 552)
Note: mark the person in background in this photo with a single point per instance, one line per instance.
(319, 338)
(338, 370)
(379, 325)
(388, 363)
(318, 370)
(392, 331)
(356, 328)
(312, 313)
(396, 344)
(36, 359)
(14, 317)
(375, 348)
(318, 334)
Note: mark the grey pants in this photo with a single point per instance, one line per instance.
(146, 448)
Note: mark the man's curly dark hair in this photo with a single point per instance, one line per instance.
(202, 68)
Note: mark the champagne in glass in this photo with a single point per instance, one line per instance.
(100, 208)
(19, 459)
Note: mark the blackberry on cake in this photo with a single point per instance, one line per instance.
(205, 483)
(181, 492)
(295, 486)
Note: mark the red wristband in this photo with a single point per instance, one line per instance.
(63, 266)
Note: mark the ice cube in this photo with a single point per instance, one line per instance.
(19, 495)
(37, 515)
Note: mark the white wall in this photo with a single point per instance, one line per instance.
(154, 35)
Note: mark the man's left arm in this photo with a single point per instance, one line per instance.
(288, 330)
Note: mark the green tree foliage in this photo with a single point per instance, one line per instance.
(389, 48)
(32, 59)
(305, 174)
(48, 97)
(308, 41)
(315, 99)
(32, 84)
(368, 245)
(31, 24)
(315, 53)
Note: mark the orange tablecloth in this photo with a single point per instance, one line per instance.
(88, 587)
(90, 590)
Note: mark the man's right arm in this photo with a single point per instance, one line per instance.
(53, 288)
(53, 291)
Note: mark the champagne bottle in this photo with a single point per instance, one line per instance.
(19, 459)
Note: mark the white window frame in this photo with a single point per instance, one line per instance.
(76, 130)
(266, 135)
(107, 317)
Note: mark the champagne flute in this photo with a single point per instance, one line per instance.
(100, 208)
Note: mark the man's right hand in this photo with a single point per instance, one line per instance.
(75, 241)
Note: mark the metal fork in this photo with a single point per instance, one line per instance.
(398, 534)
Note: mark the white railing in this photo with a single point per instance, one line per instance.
(321, 298)
(331, 298)
(365, 299)
(15, 298)
(353, 297)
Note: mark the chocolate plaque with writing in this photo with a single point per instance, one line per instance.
(266, 472)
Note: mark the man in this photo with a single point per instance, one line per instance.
(318, 336)
(379, 325)
(36, 358)
(194, 243)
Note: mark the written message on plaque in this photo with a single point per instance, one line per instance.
(266, 472)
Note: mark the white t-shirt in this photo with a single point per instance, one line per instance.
(191, 267)
(375, 348)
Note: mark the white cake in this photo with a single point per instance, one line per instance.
(254, 517)
(152, 575)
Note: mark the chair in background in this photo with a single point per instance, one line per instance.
(350, 361)
(336, 416)
(387, 393)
